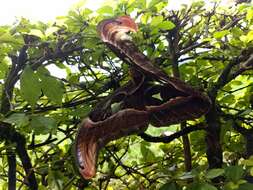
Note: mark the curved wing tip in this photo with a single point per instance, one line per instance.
(129, 22)
(87, 175)
(123, 23)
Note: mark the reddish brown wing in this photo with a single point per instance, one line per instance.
(94, 135)
(192, 104)
(114, 32)
(178, 102)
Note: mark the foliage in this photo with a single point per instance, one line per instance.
(52, 75)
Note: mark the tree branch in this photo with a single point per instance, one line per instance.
(167, 139)
(11, 157)
(240, 129)
(186, 50)
(245, 66)
(223, 78)
(8, 133)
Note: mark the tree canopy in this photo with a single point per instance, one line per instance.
(53, 74)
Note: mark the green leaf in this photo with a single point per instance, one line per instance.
(51, 87)
(246, 112)
(43, 169)
(187, 175)
(141, 4)
(81, 112)
(86, 12)
(156, 20)
(249, 37)
(152, 3)
(169, 186)
(30, 86)
(147, 154)
(51, 31)
(116, 107)
(213, 173)
(202, 186)
(12, 40)
(145, 17)
(246, 186)
(19, 119)
(36, 32)
(43, 125)
(3, 68)
(249, 15)
(251, 171)
(236, 82)
(234, 173)
(105, 10)
(207, 186)
(229, 99)
(55, 180)
(198, 4)
(166, 25)
(4, 185)
(43, 71)
(248, 162)
(220, 34)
